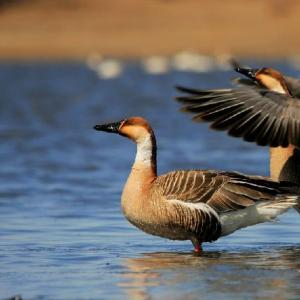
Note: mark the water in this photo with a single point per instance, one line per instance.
(63, 235)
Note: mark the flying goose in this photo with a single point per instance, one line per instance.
(263, 108)
(196, 205)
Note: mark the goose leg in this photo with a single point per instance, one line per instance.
(197, 245)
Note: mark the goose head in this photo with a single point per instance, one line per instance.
(135, 128)
(266, 77)
(272, 80)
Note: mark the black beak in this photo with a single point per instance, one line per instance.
(110, 127)
(243, 70)
(247, 71)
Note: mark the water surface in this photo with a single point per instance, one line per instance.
(63, 235)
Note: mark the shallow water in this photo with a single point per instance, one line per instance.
(62, 232)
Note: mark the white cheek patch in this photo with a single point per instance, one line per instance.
(272, 84)
(279, 89)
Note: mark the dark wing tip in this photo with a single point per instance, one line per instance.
(197, 118)
(180, 88)
(187, 90)
(183, 99)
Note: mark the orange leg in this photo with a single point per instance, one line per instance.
(197, 246)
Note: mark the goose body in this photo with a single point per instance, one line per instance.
(263, 108)
(196, 205)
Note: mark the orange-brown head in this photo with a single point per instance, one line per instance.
(266, 77)
(272, 80)
(135, 128)
(138, 130)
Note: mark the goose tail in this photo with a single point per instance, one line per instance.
(264, 211)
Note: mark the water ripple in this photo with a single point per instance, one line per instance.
(63, 235)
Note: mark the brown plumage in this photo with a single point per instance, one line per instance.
(265, 108)
(196, 205)
(252, 112)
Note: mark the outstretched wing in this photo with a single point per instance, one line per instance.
(254, 113)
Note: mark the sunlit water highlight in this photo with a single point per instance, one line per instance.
(62, 232)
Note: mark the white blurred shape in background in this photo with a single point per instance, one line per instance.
(156, 64)
(105, 68)
(191, 61)
(93, 60)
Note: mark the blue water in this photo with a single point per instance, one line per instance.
(63, 235)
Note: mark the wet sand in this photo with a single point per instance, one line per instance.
(52, 29)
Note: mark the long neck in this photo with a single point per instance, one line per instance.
(146, 154)
(142, 175)
(285, 163)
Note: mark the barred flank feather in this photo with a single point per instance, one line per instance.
(201, 197)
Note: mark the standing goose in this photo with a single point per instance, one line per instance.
(195, 205)
(264, 108)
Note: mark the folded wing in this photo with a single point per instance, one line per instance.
(200, 197)
(223, 191)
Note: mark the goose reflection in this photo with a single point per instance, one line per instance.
(273, 274)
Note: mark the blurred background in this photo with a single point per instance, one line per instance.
(55, 29)
(66, 65)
